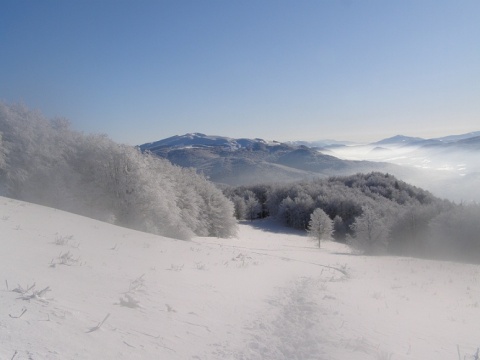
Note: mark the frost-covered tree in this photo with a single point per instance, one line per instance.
(285, 211)
(249, 203)
(2, 154)
(320, 226)
(375, 212)
(296, 212)
(48, 163)
(3, 163)
(370, 234)
(252, 206)
(240, 210)
(219, 213)
(30, 147)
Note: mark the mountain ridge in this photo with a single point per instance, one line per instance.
(246, 161)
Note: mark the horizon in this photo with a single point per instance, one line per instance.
(285, 71)
(313, 140)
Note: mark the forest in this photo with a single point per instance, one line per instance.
(375, 213)
(45, 162)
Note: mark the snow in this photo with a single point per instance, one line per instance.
(105, 292)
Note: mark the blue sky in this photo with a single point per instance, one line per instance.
(281, 70)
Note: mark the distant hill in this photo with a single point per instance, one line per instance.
(453, 138)
(247, 161)
(201, 140)
(321, 143)
(459, 141)
(399, 140)
(466, 140)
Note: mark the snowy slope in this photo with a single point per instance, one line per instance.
(113, 293)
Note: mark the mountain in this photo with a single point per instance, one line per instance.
(201, 140)
(463, 144)
(399, 140)
(246, 161)
(447, 166)
(326, 143)
(472, 143)
(452, 138)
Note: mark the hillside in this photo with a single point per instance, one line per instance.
(77, 288)
(248, 161)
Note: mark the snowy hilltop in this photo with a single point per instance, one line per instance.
(77, 288)
(201, 140)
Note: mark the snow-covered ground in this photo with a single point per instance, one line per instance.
(76, 288)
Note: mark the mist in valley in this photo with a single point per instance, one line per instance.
(448, 170)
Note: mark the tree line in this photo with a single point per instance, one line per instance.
(374, 212)
(44, 161)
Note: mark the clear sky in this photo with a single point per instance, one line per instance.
(280, 70)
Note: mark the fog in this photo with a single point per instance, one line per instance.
(449, 171)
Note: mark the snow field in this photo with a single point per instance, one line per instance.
(114, 293)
